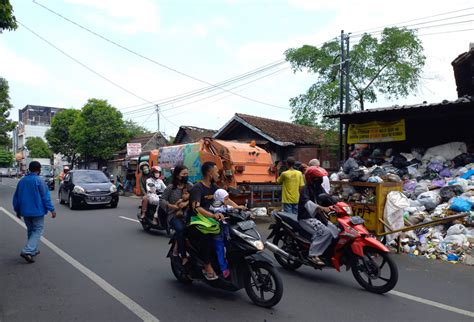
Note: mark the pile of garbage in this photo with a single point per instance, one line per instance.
(437, 182)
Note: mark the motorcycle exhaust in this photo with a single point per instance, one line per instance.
(277, 250)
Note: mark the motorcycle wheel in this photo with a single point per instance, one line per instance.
(369, 269)
(178, 271)
(287, 264)
(269, 282)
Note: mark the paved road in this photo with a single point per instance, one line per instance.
(131, 280)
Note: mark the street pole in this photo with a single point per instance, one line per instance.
(158, 116)
(341, 97)
(348, 98)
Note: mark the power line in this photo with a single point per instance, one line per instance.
(204, 98)
(412, 20)
(210, 88)
(83, 65)
(445, 32)
(150, 59)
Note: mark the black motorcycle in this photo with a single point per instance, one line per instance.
(250, 268)
(147, 221)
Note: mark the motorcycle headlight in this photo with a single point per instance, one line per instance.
(257, 243)
(78, 189)
(113, 188)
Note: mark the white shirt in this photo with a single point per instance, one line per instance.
(159, 184)
(326, 185)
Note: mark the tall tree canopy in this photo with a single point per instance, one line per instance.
(99, 131)
(133, 129)
(390, 66)
(59, 136)
(7, 19)
(38, 148)
(6, 124)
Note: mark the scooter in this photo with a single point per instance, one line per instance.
(147, 221)
(249, 267)
(369, 259)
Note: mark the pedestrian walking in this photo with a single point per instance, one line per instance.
(32, 201)
(292, 181)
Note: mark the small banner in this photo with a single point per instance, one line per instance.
(134, 149)
(373, 132)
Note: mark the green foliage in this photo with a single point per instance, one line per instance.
(38, 148)
(390, 66)
(7, 19)
(59, 135)
(6, 158)
(133, 129)
(99, 131)
(6, 124)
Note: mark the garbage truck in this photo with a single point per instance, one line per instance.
(245, 169)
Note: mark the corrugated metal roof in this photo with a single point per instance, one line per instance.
(445, 103)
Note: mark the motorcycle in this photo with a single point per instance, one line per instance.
(147, 221)
(249, 267)
(354, 248)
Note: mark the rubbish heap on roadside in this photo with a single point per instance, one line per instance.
(437, 183)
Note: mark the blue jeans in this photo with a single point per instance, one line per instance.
(34, 226)
(179, 227)
(291, 208)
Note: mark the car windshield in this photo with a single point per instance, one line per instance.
(90, 177)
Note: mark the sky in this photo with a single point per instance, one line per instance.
(211, 41)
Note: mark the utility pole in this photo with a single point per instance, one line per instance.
(348, 98)
(157, 109)
(341, 98)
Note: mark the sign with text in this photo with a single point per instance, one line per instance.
(134, 149)
(374, 132)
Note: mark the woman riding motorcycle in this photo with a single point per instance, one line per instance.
(145, 174)
(155, 178)
(313, 203)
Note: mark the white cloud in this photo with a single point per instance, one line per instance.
(17, 68)
(123, 15)
(200, 30)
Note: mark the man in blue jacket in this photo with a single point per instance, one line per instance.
(32, 201)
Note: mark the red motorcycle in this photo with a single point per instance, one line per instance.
(355, 248)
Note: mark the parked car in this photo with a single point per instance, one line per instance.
(3, 172)
(87, 187)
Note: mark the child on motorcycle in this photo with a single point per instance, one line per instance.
(219, 206)
(150, 201)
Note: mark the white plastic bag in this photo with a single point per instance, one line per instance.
(457, 229)
(447, 151)
(393, 212)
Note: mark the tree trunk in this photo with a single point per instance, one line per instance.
(361, 101)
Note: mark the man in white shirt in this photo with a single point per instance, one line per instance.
(326, 185)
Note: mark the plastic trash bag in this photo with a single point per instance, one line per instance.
(334, 177)
(460, 205)
(448, 151)
(349, 165)
(445, 173)
(463, 159)
(420, 188)
(449, 192)
(430, 199)
(393, 212)
(410, 186)
(457, 229)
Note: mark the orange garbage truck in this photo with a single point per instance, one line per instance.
(245, 169)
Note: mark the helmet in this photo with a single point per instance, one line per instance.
(314, 172)
(155, 168)
(142, 164)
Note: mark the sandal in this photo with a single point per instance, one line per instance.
(210, 276)
(317, 261)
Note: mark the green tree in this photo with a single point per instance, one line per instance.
(133, 129)
(59, 136)
(6, 124)
(6, 158)
(99, 131)
(38, 148)
(389, 66)
(7, 19)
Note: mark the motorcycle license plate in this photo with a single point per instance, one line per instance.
(246, 225)
(356, 220)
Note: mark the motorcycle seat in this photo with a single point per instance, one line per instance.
(292, 220)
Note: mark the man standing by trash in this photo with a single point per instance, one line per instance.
(32, 201)
(292, 181)
(326, 184)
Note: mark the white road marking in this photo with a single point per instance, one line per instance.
(433, 303)
(119, 296)
(126, 218)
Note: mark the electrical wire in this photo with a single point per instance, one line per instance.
(150, 59)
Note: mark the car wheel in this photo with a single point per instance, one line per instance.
(114, 204)
(72, 203)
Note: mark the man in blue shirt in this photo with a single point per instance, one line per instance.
(32, 201)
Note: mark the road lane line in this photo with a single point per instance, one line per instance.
(433, 303)
(119, 296)
(126, 218)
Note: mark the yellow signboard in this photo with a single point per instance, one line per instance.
(373, 132)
